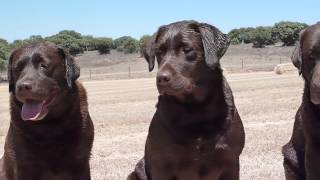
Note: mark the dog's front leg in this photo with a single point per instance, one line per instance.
(312, 161)
(232, 173)
(82, 174)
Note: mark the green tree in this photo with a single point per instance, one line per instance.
(119, 41)
(4, 53)
(4, 42)
(262, 36)
(70, 40)
(2, 65)
(131, 46)
(103, 45)
(288, 32)
(240, 35)
(71, 33)
(88, 43)
(17, 44)
(35, 39)
(67, 41)
(126, 44)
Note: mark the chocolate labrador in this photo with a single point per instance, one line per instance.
(302, 153)
(196, 132)
(51, 133)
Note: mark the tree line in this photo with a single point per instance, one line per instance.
(76, 43)
(285, 31)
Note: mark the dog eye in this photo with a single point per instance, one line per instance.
(187, 50)
(191, 55)
(43, 66)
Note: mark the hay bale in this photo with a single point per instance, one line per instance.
(284, 68)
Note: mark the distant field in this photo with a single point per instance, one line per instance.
(238, 58)
(122, 110)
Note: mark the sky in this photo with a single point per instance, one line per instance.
(19, 19)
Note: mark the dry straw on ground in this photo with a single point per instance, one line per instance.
(122, 110)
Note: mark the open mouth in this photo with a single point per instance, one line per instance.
(35, 110)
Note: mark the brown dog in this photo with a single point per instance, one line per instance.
(196, 132)
(51, 133)
(302, 153)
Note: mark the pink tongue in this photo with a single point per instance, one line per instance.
(31, 109)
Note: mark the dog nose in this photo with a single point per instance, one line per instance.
(25, 86)
(163, 78)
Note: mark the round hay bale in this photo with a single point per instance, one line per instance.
(278, 70)
(283, 68)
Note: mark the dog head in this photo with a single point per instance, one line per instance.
(306, 57)
(40, 77)
(188, 55)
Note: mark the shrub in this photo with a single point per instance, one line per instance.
(72, 33)
(288, 32)
(88, 43)
(119, 41)
(130, 46)
(35, 39)
(67, 41)
(262, 36)
(75, 48)
(4, 54)
(126, 44)
(3, 65)
(103, 45)
(4, 42)
(17, 44)
(238, 36)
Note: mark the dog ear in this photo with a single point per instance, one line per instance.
(10, 77)
(71, 68)
(149, 48)
(215, 44)
(149, 52)
(296, 56)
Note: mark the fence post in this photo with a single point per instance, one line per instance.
(242, 63)
(129, 72)
(280, 60)
(90, 74)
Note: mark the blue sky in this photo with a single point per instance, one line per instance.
(22, 18)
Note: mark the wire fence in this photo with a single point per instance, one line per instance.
(230, 64)
(233, 65)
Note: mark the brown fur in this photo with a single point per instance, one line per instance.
(58, 146)
(196, 132)
(302, 152)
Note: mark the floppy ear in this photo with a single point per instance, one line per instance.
(296, 56)
(215, 44)
(148, 52)
(72, 69)
(10, 78)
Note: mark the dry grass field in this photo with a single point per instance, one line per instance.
(122, 97)
(238, 58)
(122, 110)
